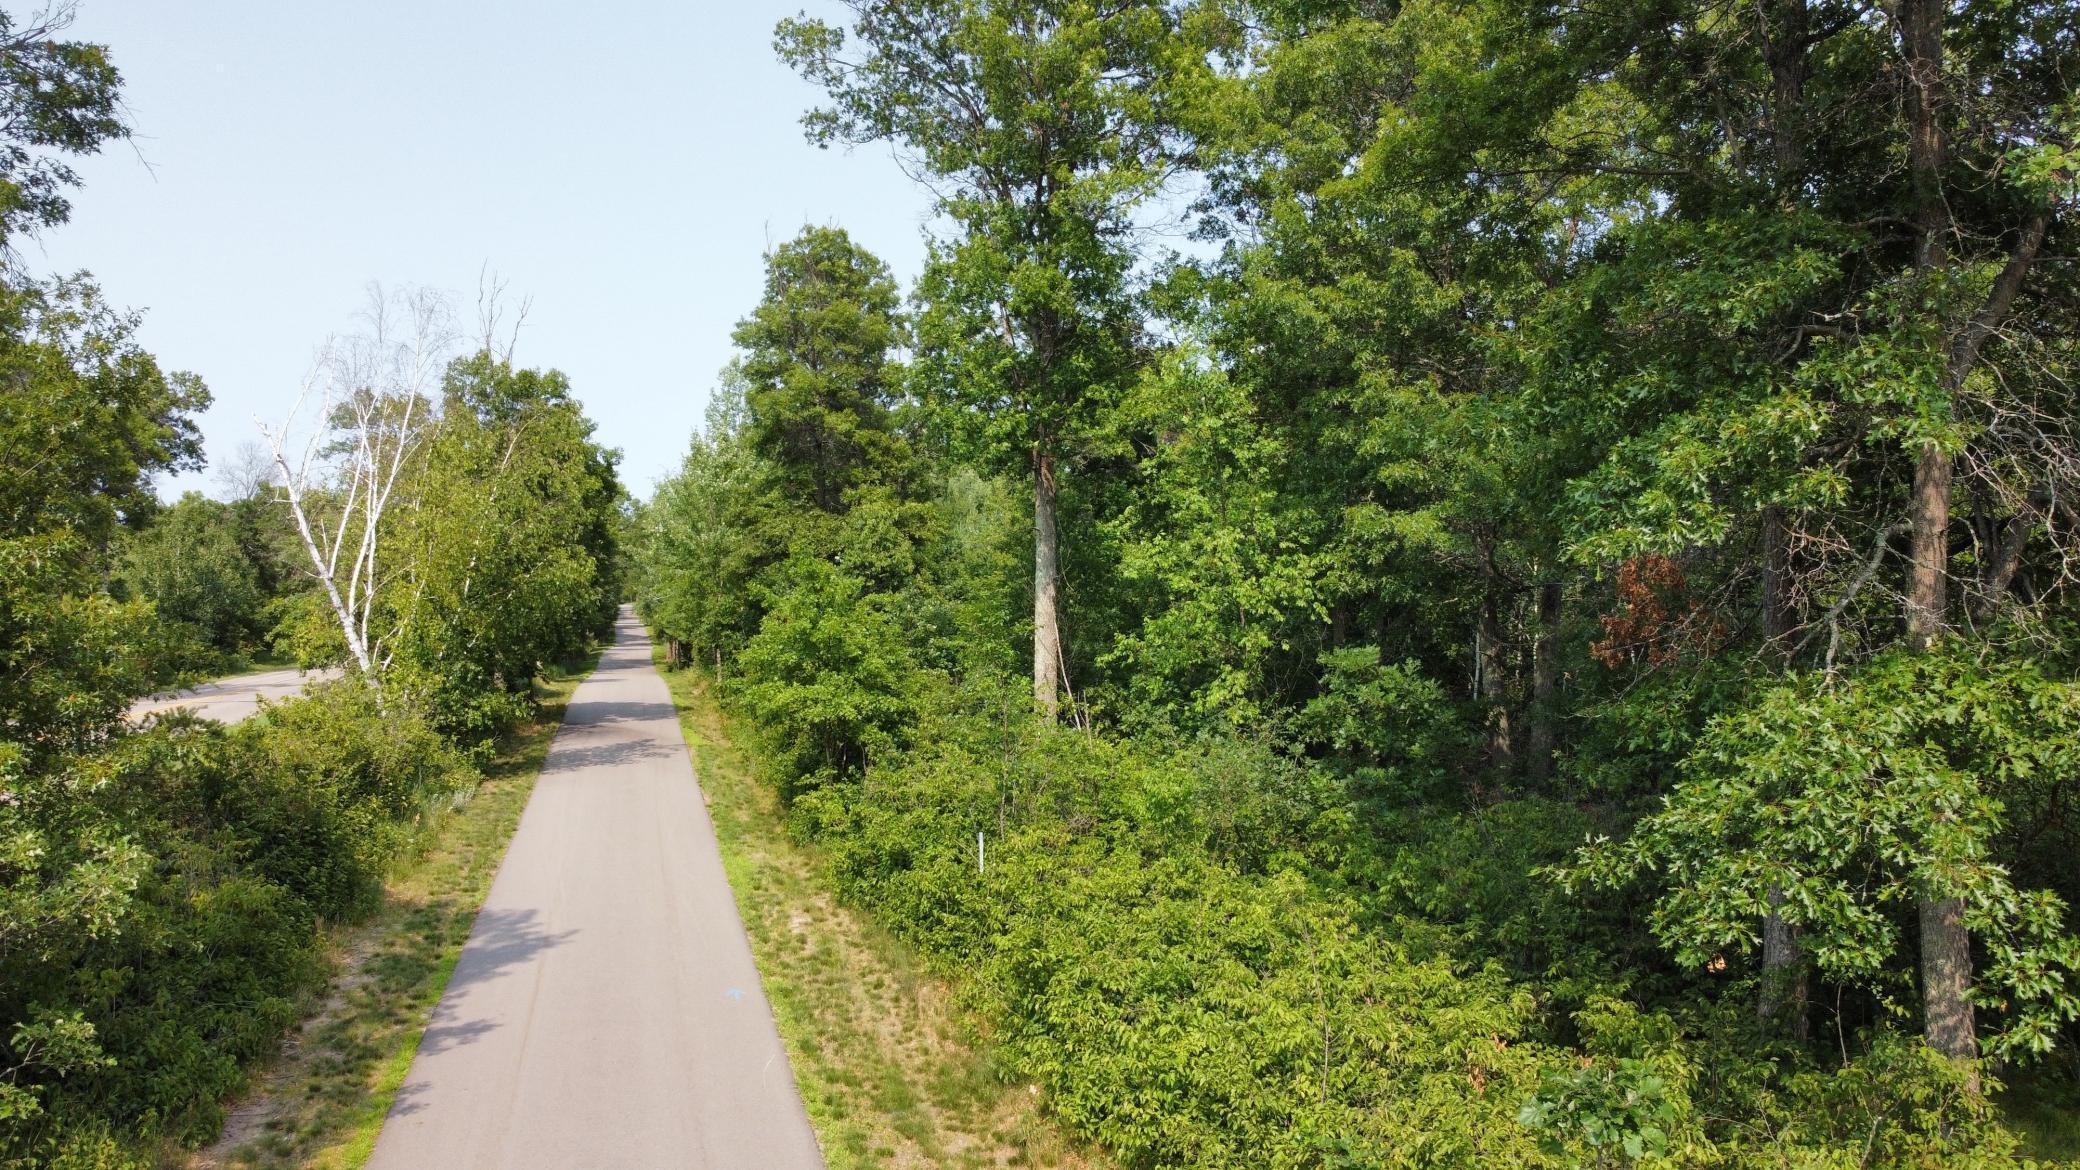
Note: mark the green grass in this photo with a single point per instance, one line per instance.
(2043, 1106)
(889, 1069)
(323, 1102)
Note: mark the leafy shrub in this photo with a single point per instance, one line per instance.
(1620, 1111)
(189, 565)
(1475, 877)
(1406, 737)
(159, 902)
(1204, 957)
(1898, 1102)
(1143, 932)
(1856, 797)
(827, 678)
(334, 778)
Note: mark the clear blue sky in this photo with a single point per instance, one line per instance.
(623, 164)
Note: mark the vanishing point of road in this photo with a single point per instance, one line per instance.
(605, 1011)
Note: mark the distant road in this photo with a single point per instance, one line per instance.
(229, 700)
(605, 1012)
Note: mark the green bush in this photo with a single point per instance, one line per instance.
(334, 779)
(1393, 724)
(182, 940)
(189, 565)
(1209, 954)
(827, 678)
(1143, 932)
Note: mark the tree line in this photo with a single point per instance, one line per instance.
(166, 882)
(1547, 637)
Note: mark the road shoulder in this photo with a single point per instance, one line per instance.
(323, 1101)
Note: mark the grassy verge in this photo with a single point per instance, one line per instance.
(885, 1062)
(324, 1101)
(2043, 1105)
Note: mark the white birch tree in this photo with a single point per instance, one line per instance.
(367, 404)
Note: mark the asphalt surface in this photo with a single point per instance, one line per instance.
(229, 700)
(605, 1011)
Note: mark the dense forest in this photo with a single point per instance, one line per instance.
(1445, 583)
(166, 883)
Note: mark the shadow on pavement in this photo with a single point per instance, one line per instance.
(500, 939)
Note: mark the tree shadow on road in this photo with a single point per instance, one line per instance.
(609, 734)
(501, 939)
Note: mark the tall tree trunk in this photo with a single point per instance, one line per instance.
(1491, 660)
(1779, 618)
(1946, 946)
(1788, 32)
(1946, 981)
(1928, 564)
(1047, 577)
(1545, 682)
(1946, 950)
(1783, 1003)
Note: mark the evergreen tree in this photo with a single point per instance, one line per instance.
(819, 381)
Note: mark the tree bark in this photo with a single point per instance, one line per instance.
(1946, 954)
(1784, 997)
(1545, 682)
(1779, 618)
(1946, 946)
(1491, 658)
(1946, 981)
(1783, 1003)
(1787, 47)
(1928, 565)
(2007, 557)
(1047, 576)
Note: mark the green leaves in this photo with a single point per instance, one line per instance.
(1045, 123)
(1155, 957)
(189, 564)
(56, 97)
(1619, 1111)
(510, 559)
(91, 417)
(827, 678)
(819, 383)
(1855, 799)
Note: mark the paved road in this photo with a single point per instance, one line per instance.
(229, 700)
(605, 1012)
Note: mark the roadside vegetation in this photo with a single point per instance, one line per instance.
(1547, 642)
(887, 1061)
(172, 892)
(323, 1102)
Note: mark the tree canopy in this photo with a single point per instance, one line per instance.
(1640, 426)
